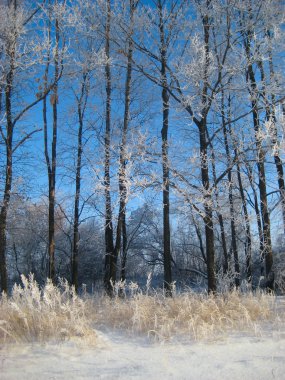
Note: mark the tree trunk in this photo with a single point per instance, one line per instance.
(208, 208)
(51, 162)
(109, 245)
(76, 237)
(202, 126)
(165, 162)
(8, 140)
(248, 243)
(231, 198)
(121, 226)
(52, 180)
(125, 248)
(258, 218)
(7, 88)
(262, 178)
(8, 178)
(220, 218)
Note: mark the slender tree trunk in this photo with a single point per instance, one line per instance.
(268, 255)
(208, 208)
(121, 226)
(262, 185)
(165, 161)
(109, 244)
(51, 162)
(8, 176)
(248, 243)
(202, 126)
(224, 243)
(220, 218)
(231, 199)
(8, 139)
(166, 200)
(45, 122)
(267, 246)
(258, 218)
(76, 237)
(10, 50)
(52, 181)
(125, 248)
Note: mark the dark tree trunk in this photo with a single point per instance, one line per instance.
(52, 174)
(208, 217)
(121, 226)
(81, 103)
(166, 201)
(51, 162)
(248, 243)
(47, 159)
(8, 140)
(268, 256)
(8, 175)
(202, 126)
(261, 171)
(109, 244)
(231, 199)
(7, 89)
(165, 162)
(220, 218)
(125, 248)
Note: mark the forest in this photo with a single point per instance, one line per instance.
(142, 139)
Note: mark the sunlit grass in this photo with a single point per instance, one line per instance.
(58, 313)
(187, 315)
(52, 313)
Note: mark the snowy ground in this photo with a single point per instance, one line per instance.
(121, 357)
(259, 355)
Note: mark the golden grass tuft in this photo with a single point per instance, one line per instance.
(53, 313)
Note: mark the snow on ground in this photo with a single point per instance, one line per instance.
(256, 356)
(121, 357)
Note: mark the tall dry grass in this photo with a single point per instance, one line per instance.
(57, 313)
(52, 313)
(188, 315)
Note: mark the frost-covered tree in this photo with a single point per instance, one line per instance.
(21, 54)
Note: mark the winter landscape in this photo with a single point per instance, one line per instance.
(142, 189)
(54, 334)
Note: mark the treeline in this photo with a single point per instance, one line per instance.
(142, 134)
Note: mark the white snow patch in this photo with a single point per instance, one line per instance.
(121, 357)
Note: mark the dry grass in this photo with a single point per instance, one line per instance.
(53, 313)
(188, 315)
(57, 313)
